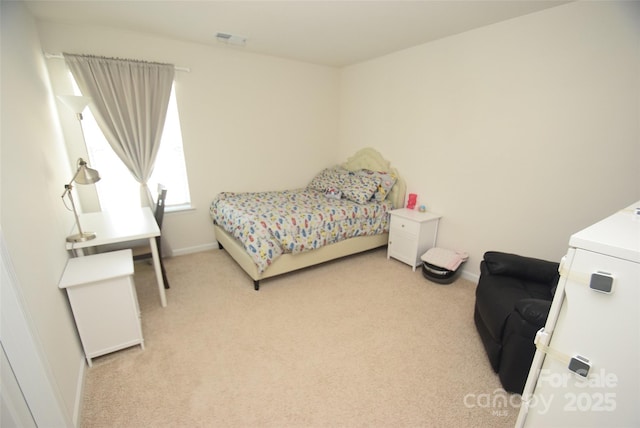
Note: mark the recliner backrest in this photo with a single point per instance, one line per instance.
(526, 268)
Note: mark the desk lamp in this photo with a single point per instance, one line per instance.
(84, 175)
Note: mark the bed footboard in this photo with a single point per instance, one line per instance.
(291, 262)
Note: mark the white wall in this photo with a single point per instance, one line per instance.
(249, 122)
(519, 133)
(33, 219)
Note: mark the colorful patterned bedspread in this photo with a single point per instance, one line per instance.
(272, 223)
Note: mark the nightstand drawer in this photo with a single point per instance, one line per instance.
(405, 226)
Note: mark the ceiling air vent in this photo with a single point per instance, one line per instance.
(231, 39)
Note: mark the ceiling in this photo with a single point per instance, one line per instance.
(331, 32)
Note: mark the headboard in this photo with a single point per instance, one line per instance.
(369, 158)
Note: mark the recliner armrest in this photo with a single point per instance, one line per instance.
(534, 311)
(527, 268)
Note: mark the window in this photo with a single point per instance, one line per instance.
(117, 187)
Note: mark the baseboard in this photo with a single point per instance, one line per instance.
(77, 406)
(196, 249)
(473, 277)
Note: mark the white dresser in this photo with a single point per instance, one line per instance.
(104, 302)
(411, 234)
(586, 371)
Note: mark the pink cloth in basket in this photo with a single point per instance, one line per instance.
(448, 259)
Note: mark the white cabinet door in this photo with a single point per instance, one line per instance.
(403, 240)
(107, 315)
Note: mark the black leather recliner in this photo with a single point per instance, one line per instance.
(513, 299)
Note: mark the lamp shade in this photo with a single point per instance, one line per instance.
(75, 103)
(86, 175)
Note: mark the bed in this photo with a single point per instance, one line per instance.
(336, 215)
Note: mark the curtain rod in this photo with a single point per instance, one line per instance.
(60, 56)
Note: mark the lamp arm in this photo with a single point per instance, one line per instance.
(67, 191)
(69, 187)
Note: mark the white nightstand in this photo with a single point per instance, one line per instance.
(104, 302)
(411, 234)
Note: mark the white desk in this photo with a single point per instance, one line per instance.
(121, 226)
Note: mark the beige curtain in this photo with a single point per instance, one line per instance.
(130, 100)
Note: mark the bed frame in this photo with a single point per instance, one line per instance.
(366, 158)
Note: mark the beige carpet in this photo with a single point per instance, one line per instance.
(359, 342)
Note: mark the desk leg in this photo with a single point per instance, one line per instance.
(156, 267)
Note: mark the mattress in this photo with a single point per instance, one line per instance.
(269, 224)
